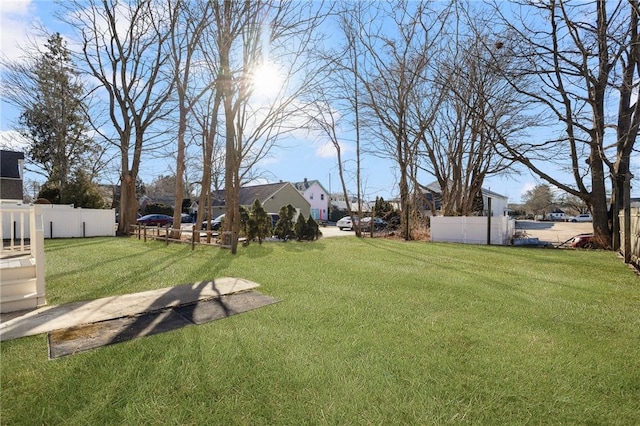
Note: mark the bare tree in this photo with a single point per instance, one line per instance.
(338, 107)
(189, 21)
(576, 66)
(327, 120)
(397, 82)
(252, 37)
(212, 177)
(206, 115)
(628, 121)
(478, 109)
(539, 200)
(124, 49)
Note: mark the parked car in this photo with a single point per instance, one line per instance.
(378, 223)
(215, 223)
(581, 218)
(186, 218)
(345, 223)
(118, 217)
(155, 219)
(583, 241)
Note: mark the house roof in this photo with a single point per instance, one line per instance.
(9, 164)
(435, 188)
(249, 194)
(306, 184)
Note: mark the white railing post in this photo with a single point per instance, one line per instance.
(13, 227)
(36, 223)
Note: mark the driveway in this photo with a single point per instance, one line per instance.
(554, 232)
(334, 231)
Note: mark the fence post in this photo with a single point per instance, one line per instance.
(51, 230)
(488, 221)
(166, 234)
(193, 237)
(627, 218)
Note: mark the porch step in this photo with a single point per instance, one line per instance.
(17, 286)
(17, 268)
(20, 302)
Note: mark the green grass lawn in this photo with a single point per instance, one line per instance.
(367, 332)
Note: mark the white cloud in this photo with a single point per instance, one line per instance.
(14, 141)
(527, 186)
(269, 159)
(326, 150)
(16, 23)
(20, 7)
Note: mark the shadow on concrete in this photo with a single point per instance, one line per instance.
(51, 318)
(91, 336)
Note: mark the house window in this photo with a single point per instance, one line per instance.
(311, 196)
(322, 197)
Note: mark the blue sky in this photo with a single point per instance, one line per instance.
(304, 157)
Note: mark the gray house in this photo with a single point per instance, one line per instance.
(272, 196)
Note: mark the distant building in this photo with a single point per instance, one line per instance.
(165, 200)
(338, 202)
(499, 203)
(317, 196)
(11, 165)
(272, 196)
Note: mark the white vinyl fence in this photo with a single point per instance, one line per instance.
(472, 229)
(62, 221)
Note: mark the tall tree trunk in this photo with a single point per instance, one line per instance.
(180, 166)
(128, 203)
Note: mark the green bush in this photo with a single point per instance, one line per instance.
(259, 225)
(313, 230)
(244, 221)
(300, 228)
(284, 227)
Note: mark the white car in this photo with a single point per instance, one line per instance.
(581, 218)
(345, 223)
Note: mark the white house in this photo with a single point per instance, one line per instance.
(317, 196)
(499, 203)
(338, 202)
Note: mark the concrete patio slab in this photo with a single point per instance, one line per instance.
(50, 318)
(73, 340)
